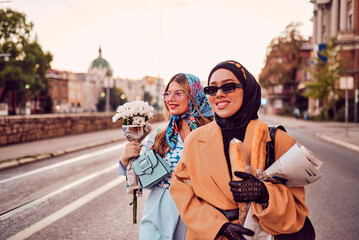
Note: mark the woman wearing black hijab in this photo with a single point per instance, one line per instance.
(204, 189)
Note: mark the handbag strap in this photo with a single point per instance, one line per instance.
(271, 145)
(144, 145)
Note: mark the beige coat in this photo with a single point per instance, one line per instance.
(201, 178)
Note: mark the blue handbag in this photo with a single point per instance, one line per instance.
(150, 168)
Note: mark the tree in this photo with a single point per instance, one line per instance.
(326, 76)
(283, 60)
(117, 98)
(25, 72)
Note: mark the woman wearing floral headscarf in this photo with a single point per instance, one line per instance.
(187, 108)
(204, 188)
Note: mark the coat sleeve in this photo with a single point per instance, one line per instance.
(203, 221)
(286, 211)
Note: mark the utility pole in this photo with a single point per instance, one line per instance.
(107, 108)
(161, 6)
(346, 83)
(356, 93)
(160, 23)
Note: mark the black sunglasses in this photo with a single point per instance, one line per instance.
(225, 88)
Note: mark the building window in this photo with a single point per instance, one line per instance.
(278, 104)
(350, 14)
(308, 61)
(278, 89)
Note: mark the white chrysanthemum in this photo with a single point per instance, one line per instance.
(134, 113)
(138, 120)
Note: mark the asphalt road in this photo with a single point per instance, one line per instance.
(81, 196)
(75, 196)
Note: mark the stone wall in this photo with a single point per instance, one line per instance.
(19, 129)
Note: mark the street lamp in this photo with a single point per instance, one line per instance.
(6, 56)
(28, 100)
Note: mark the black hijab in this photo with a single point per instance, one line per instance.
(235, 126)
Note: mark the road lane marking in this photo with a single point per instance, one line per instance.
(69, 161)
(27, 232)
(43, 198)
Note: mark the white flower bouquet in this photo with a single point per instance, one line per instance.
(134, 116)
(134, 113)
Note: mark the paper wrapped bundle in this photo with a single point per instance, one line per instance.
(296, 168)
(252, 224)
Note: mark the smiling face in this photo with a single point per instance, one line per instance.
(175, 106)
(225, 104)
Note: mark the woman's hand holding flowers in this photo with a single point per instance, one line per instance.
(132, 150)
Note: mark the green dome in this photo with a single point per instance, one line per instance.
(100, 62)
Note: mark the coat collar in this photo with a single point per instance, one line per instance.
(212, 153)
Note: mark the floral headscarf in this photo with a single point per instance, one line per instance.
(202, 103)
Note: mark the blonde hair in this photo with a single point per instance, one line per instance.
(161, 146)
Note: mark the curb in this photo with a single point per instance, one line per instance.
(338, 142)
(10, 163)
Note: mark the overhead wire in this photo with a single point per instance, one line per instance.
(84, 14)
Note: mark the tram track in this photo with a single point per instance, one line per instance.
(52, 193)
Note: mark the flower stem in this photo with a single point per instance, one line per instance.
(134, 207)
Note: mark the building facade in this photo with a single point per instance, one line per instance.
(280, 96)
(147, 89)
(338, 20)
(152, 91)
(75, 88)
(99, 77)
(58, 90)
(66, 90)
(81, 92)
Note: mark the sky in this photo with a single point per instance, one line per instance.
(161, 37)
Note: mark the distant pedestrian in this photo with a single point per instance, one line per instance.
(296, 113)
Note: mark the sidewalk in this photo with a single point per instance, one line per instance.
(22, 153)
(339, 133)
